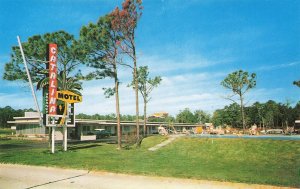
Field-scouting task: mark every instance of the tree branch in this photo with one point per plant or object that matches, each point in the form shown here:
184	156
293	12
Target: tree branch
229	98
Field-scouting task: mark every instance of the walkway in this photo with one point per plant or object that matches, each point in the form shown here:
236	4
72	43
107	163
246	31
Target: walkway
33	177
164	143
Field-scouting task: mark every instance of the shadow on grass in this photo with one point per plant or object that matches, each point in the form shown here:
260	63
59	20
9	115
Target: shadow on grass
73	148
4	138
79	147
5	147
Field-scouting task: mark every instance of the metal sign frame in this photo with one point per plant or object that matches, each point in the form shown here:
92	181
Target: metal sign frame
53	120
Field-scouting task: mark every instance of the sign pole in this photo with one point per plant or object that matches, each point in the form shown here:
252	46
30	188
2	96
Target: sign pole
65	137
52	66
66	128
29	79
53	140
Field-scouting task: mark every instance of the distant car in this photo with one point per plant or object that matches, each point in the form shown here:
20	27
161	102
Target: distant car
275	131
102	133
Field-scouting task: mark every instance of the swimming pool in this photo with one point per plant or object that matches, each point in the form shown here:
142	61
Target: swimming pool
272	137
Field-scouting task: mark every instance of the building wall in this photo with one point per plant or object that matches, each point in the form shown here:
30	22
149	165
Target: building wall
87	127
30	130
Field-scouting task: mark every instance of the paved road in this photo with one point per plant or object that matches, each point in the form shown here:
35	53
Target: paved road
27	177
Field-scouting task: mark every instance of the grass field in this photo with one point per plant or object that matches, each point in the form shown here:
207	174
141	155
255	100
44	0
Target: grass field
237	160
5	132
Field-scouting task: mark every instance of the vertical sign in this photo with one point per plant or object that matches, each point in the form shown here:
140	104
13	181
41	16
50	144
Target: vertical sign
52	79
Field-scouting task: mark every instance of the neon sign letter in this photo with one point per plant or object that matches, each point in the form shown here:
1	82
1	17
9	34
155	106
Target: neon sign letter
52	78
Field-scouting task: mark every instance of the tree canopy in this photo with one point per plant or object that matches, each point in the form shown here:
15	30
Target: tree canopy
8	113
125	22
35	50
102	54
266	115
145	87
297	83
186	116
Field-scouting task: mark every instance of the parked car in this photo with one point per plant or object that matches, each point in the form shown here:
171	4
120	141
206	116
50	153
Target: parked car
102	133
275	131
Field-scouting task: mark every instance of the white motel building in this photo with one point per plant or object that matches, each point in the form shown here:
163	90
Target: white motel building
29	126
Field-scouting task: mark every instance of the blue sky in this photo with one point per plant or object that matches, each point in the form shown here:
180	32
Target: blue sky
192	44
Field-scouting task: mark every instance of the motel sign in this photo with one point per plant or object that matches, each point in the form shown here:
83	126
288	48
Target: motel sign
52	79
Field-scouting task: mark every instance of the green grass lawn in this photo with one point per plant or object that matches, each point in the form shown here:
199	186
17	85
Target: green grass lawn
5	132
272	162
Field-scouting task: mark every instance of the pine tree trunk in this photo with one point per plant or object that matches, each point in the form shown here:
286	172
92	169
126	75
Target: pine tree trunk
145	117
136	94
243	114
119	131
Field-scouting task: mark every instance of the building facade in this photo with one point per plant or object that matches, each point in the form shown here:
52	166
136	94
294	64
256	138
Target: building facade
29	126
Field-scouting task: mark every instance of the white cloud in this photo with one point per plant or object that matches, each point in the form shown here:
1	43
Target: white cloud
175	93
159	65
172	95
278	66
172	85
194	89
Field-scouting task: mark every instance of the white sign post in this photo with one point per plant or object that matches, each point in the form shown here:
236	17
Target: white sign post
65	138
53	140
53	121
30	82
65	129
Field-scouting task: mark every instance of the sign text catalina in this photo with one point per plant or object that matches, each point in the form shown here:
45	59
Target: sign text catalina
52	78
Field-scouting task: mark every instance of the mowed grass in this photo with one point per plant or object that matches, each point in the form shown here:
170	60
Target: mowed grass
6	132
257	161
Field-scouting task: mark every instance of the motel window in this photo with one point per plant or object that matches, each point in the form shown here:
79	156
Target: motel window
126	128
85	129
